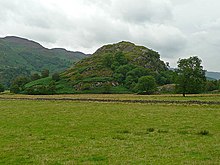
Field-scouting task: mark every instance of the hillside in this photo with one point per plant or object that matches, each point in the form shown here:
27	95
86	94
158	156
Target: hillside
21	56
114	68
213	75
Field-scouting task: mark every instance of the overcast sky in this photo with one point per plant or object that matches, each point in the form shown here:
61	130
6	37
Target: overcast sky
174	28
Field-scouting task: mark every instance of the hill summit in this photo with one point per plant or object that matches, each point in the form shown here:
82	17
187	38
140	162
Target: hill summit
114	67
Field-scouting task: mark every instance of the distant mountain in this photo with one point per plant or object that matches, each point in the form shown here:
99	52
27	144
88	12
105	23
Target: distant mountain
22	56
209	75
213	75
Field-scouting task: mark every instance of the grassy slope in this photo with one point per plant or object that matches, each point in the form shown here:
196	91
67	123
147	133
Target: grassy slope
65	87
49	132
21	53
16	52
62	86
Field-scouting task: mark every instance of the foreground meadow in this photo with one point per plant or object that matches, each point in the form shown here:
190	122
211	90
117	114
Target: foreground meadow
69	132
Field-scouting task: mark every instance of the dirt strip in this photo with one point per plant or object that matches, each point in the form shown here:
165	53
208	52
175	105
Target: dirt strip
119	101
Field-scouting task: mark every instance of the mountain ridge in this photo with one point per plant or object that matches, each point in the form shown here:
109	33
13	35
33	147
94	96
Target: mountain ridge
21	56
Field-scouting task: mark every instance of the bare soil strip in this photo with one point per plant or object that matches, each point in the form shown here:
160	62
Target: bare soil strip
116	101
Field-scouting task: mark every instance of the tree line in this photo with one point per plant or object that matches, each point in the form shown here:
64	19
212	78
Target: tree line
18	84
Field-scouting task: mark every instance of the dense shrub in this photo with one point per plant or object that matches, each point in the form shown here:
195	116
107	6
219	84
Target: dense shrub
146	85
45	73
18	84
2	89
56	77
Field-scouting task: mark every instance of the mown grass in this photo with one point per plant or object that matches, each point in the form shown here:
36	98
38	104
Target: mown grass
65	132
169	97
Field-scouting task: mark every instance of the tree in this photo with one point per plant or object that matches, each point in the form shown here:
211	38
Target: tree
191	76
2	89
56	77
14	88
35	76
18	84
45	73
211	85
146	85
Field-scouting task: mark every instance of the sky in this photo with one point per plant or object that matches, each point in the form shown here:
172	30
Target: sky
174	28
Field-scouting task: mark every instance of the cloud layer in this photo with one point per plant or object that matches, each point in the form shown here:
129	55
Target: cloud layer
175	28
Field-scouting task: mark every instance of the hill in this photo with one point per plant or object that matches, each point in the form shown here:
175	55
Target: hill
213	75
113	68
19	56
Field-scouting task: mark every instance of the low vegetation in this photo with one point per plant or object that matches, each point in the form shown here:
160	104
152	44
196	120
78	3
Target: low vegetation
65	132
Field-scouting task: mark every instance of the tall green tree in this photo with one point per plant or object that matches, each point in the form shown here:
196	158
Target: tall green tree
2	88
45	73
146	85
35	76
18	84
56	77
191	76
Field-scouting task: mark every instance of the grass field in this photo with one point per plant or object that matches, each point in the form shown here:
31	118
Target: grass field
71	132
169	97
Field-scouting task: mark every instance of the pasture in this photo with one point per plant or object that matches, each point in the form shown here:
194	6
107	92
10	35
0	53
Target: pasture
75	132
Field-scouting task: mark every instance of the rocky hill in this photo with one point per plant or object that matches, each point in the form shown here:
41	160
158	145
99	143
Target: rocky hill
114	68
19	56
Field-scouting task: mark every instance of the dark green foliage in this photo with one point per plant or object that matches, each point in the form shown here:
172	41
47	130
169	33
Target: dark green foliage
56	77
204	132
146	85
191	76
15	89
133	76
212	85
107	60
113	61
107	88
7	75
130	82
121	72
45	73
150	130
35	76
166	77
18	84
20	56
2	88
114	69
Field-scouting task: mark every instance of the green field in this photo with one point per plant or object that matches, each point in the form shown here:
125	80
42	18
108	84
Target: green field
73	132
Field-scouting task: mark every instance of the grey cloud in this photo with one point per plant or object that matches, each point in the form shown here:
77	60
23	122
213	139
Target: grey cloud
175	28
142	11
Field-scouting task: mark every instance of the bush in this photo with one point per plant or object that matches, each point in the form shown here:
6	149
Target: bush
35	76
18	84
150	130
45	73
15	89
2	89
146	85
107	88
56	77
204	132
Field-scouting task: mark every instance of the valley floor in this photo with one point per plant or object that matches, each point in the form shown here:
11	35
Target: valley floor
76	132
